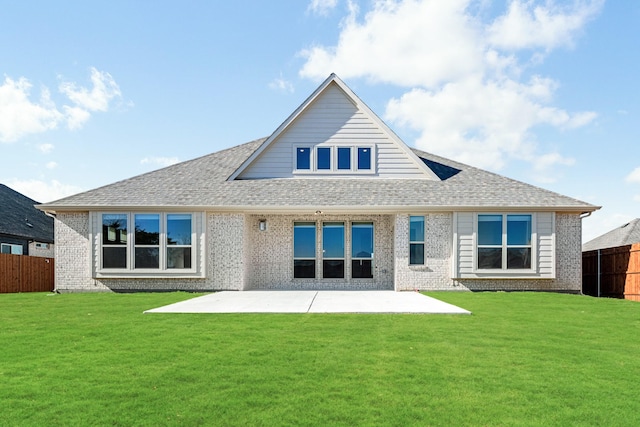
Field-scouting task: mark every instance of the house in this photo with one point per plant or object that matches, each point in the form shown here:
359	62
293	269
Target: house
24	230
611	263
333	199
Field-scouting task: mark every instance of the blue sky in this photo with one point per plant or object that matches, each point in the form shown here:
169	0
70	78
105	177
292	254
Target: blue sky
541	91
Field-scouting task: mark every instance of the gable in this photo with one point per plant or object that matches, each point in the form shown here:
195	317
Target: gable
333	120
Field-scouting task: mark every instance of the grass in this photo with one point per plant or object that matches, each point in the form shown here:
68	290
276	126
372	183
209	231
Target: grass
520	359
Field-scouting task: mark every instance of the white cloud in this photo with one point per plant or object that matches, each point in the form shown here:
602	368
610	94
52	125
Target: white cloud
45	148
634	176
159	161
530	25
19	116
51	165
466	95
42	191
322	7
98	97
281	84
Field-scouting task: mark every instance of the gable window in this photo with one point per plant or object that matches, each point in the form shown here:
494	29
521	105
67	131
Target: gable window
8	248
334	159
362	250
364	158
303	158
158	242
333	250
416	240
344	158
304	250
504	242
323	155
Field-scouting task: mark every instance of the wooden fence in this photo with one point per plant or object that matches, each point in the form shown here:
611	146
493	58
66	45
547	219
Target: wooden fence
619	272
21	273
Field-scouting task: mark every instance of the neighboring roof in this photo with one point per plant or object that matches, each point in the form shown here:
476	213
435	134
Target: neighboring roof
19	217
627	234
203	183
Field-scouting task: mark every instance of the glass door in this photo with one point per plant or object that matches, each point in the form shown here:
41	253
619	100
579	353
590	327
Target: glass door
362	250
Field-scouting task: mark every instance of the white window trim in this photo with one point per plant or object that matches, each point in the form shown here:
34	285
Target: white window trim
163	271
334	160
514	272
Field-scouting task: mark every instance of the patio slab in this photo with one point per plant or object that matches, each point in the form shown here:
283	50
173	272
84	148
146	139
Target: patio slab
312	302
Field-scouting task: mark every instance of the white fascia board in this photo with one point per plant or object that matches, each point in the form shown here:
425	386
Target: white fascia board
282	127
395	138
406	209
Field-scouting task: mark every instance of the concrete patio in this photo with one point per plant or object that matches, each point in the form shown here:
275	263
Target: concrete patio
312	302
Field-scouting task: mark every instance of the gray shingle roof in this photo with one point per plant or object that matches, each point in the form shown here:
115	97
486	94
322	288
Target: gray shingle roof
627	234
19	217
202	183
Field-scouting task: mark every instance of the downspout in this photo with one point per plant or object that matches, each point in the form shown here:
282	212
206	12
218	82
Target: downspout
599	273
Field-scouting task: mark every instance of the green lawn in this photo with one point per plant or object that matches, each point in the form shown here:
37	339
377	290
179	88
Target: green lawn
520	359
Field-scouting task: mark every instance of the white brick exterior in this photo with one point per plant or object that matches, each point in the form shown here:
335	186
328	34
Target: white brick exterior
238	256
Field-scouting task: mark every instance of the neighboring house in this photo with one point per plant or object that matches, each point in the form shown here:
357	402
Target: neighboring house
611	263
333	199
24	230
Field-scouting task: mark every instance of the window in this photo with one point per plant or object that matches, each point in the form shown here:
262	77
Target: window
304	250
362	250
364	158
344	158
504	242
42	245
147	241
114	241
323	154
178	241
334	159
158	242
333	250
303	158
416	240
8	248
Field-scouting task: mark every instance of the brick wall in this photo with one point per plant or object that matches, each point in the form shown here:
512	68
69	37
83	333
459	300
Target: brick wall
270	253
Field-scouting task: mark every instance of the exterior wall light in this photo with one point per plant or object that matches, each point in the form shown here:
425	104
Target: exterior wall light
262	225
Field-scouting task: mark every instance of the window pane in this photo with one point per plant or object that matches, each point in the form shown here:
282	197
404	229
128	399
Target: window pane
147	258
147	229
416	228
344	158
518	258
303	158
324	158
16	249
178	257
362	269
114	257
333	269
518	229
304	269
178	229
490	229
362	240
489	258
5	249
333	240
304	240
416	253
114	229
364	158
